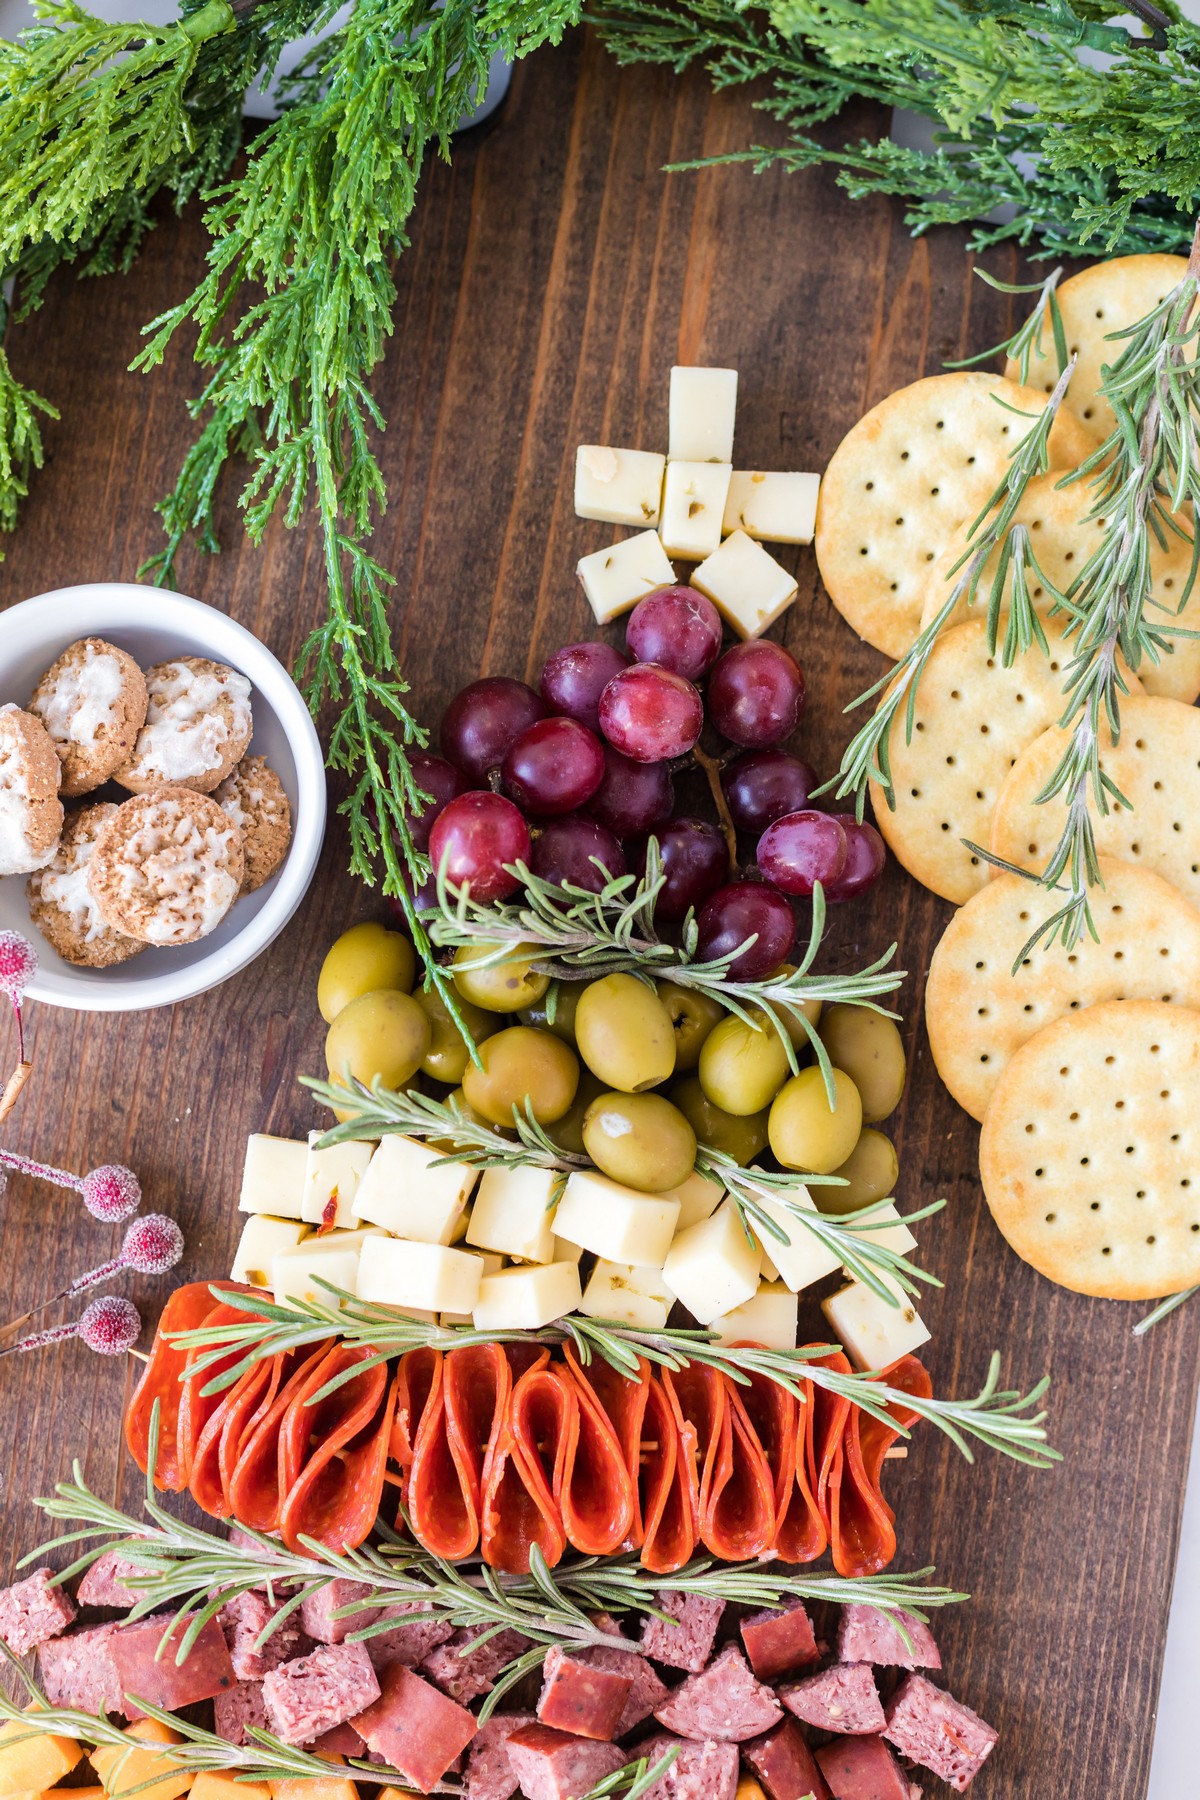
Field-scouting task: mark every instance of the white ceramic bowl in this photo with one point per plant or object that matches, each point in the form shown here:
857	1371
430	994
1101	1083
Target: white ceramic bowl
154	625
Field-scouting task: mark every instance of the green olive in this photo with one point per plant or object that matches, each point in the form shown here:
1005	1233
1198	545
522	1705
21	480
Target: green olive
693	1016
568	1131
810	1008
555	1010
383	1035
502	986
741	1138
522	1067
805	1132
741	1068
870	1049
363	960
624	1033
448	1056
640	1140
869	1172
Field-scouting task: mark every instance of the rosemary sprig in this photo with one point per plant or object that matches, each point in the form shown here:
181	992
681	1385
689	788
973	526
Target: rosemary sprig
1163	1310
1026	341
635	1779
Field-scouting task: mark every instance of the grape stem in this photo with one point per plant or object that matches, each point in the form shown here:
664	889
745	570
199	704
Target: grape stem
712	766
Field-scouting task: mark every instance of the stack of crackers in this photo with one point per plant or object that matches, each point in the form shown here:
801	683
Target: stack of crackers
1083	1065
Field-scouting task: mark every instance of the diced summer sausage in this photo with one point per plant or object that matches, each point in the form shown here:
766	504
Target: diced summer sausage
726	1702
863	1768
414	1635
841	1698
581	1697
308	1697
243	1619
104	1583
238	1711
936	1730
489	1771
780	1640
686	1644
646	1690
317	1611
701	1771
464	1672
553	1765
205	1671
867	1635
784	1764
33	1611
415	1728
78	1671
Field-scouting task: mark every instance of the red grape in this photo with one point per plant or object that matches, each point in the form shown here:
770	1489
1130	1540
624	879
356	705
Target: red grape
742	910
756	694
442	782
651	714
695	862
473	839
678	628
563	851
553	767
761	785
801	849
865	860
574	678
633	797
481	722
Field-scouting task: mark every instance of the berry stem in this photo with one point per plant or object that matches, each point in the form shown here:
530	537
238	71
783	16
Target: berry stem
22	1165
712	771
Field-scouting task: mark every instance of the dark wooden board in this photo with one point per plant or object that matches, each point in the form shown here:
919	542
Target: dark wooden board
555	273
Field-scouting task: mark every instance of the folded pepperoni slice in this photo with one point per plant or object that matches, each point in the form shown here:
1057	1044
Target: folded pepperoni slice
624	1400
445	1491
801	1535
861	1526
597	1496
669	1487
197	1408
161	1381
772	1412
738	1521
249	1401
255	1492
204	1475
333	1451
418	1386
827	1452
522	1468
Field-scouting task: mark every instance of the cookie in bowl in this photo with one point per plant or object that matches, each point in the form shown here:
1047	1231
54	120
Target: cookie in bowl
253	797
31	813
167	867
61	903
92	701
198	727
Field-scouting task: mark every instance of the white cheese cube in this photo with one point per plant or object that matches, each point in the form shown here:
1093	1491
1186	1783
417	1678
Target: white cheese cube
633	1296
767	1269
748	588
804	1258
702	407
770	1317
401	1272
526	1299
514	1212
565	1251
331	1179
873	1334
895	1236
614	580
698	1197
262	1239
713	1266
404	1193
492	1265
616	1222
273	1176
693	507
333	1255
621	487
782	509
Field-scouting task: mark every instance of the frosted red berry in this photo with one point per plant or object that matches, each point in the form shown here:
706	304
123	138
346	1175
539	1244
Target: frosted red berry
18	964
152	1245
110	1326
111	1193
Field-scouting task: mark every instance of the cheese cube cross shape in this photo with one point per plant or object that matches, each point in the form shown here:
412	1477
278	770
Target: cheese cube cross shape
273	1176
699	1197
331	1179
402	1273
804	1258
636	1297
747	586
777	509
403	1191
769	1317
614	580
328	1256
618	487
693	508
526	1299
701	412
262	1239
873	1333
616	1222
514	1212
713	1266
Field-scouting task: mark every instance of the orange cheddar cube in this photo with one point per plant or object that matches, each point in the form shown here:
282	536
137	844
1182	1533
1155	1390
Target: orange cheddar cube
31	1760
314	1788
122	1770
220	1786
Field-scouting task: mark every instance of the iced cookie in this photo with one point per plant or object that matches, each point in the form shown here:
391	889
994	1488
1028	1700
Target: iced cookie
167	867
253	797
197	727
31	813
61	905
92	701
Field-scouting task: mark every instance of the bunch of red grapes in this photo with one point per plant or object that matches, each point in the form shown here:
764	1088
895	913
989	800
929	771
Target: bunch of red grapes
573	778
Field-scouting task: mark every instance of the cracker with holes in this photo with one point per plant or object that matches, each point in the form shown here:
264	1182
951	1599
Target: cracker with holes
900	481
979	1011
1062	538
1108	297
973	719
1090	1150
1155	765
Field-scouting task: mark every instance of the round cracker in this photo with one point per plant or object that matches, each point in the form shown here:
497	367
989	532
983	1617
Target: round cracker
978	1012
1155	765
1108	297
973	718
1090	1150
1063	537
924	458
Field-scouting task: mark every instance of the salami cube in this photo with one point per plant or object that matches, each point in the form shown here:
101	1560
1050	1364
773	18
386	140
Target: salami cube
238	1711
580	1697
341	1741
205	1671
865	1634
317	1611
104	1584
78	1671
308	1697
33	1611
553	1765
415	1727
780	1640
700	1771
863	1768
646	1690
841	1698
934	1729
489	1771
410	1632
726	1702
685	1640
464	1672
784	1764
243	1619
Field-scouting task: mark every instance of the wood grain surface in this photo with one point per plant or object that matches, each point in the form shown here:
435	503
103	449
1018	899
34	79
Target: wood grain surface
554	276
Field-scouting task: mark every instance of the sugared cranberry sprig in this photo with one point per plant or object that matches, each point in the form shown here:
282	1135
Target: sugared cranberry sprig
151	1245
110	1327
111	1193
